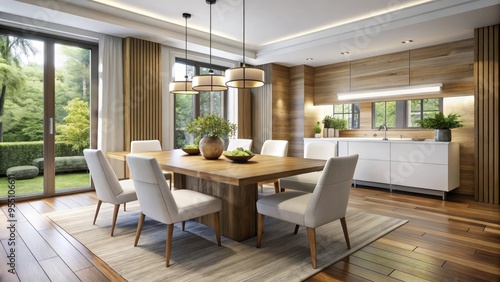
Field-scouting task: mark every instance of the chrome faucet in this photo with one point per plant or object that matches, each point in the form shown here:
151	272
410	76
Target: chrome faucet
385	131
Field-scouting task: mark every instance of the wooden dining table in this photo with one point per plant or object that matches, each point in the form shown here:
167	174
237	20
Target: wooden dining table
234	183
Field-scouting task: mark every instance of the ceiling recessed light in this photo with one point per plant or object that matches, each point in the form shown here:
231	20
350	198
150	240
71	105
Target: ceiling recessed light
309	59
407	41
344	53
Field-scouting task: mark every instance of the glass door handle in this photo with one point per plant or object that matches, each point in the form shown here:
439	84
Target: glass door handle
51	125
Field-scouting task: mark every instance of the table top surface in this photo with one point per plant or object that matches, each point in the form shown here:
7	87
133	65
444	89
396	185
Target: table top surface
258	169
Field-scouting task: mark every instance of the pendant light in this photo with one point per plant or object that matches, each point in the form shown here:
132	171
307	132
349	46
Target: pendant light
183	87
209	82
244	77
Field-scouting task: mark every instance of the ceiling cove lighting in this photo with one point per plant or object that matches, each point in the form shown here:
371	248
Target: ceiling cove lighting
244	77
183	87
390	92
210	82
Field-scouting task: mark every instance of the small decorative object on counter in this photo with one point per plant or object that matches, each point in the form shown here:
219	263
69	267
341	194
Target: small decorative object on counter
317	130
327	124
442	125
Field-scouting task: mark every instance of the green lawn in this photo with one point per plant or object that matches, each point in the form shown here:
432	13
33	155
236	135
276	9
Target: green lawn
35	185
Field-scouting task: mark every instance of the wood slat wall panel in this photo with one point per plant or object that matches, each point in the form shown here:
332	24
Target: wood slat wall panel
281	102
142	90
311	113
303	115
487	114
244	114
262	110
297	111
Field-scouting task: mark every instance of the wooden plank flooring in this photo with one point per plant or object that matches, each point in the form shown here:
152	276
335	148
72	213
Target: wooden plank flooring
453	240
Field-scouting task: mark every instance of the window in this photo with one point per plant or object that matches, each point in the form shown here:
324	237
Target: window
350	112
188	107
419	109
404	114
384	113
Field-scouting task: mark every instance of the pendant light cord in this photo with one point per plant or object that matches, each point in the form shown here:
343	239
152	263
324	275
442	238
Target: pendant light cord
211	71
186	16
244	33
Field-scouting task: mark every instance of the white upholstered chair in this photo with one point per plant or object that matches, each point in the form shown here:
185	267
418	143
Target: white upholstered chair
139	146
235	143
278	148
166	206
107	186
306	182
327	203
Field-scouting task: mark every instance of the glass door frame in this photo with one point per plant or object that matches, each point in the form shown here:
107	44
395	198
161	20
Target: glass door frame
49	108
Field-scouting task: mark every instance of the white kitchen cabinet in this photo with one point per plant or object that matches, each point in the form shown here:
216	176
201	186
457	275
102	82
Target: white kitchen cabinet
342	148
374	161
433	166
417	166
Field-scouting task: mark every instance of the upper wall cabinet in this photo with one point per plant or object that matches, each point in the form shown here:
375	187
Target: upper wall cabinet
451	64
387	70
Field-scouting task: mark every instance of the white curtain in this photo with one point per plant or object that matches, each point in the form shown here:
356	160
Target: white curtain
110	114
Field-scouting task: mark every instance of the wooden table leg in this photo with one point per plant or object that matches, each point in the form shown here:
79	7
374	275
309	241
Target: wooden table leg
238	217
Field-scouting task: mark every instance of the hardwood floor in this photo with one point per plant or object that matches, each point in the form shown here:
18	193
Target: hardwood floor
453	240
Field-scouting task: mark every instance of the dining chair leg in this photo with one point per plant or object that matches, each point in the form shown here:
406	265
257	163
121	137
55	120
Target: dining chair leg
168	247
115	216
311	235
260	228
296	229
97	211
170	181
346	233
216	224
139	229
276	186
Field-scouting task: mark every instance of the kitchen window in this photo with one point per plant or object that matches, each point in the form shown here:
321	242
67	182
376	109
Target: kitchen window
404	114
188	107
350	112
419	109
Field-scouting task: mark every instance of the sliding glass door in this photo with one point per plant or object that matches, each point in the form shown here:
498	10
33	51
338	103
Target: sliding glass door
46	113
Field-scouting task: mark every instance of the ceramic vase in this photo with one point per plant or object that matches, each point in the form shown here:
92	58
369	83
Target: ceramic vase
211	148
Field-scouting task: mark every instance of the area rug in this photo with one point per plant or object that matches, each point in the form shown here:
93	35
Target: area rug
283	256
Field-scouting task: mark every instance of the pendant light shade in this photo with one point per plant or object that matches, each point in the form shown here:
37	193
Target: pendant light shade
183	87
209	82
244	77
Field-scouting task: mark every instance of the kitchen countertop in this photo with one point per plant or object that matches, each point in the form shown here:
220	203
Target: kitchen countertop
376	139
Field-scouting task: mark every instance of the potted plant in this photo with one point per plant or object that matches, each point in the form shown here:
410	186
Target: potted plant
339	124
317	130
211	128
328	125
442	125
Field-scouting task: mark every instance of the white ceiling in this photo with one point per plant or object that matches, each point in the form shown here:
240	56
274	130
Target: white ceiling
279	31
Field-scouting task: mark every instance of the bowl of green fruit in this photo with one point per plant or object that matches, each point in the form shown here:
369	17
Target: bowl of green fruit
191	149
239	155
